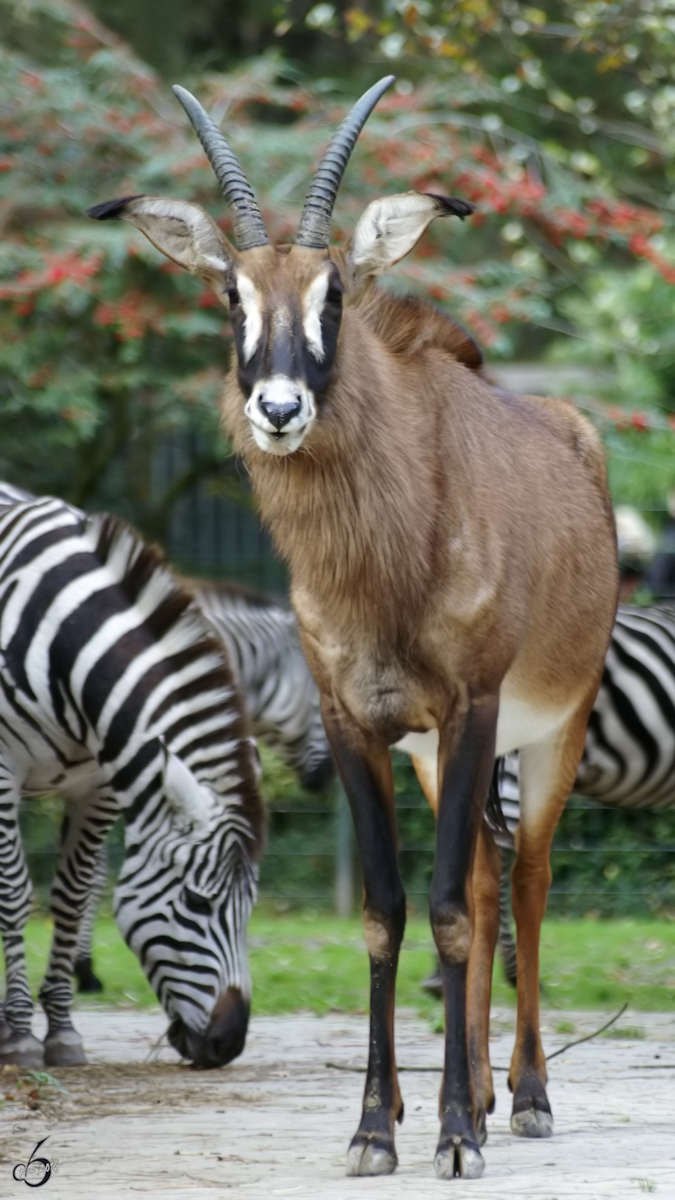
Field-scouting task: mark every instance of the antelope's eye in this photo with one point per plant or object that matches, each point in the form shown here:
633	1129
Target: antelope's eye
233	296
196	903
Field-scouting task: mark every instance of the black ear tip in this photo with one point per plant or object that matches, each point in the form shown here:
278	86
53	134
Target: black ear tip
453	206
110	209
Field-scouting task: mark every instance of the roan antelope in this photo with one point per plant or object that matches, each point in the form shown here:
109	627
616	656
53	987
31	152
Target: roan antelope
453	567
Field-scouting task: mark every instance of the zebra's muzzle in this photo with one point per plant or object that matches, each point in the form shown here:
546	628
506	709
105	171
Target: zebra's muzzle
224	1037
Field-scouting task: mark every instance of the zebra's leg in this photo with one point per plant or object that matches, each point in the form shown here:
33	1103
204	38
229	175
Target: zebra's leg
88	823
17	1044
485	912
547	773
506	941
83	970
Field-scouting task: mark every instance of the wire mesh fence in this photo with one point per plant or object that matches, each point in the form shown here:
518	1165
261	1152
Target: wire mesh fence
605	861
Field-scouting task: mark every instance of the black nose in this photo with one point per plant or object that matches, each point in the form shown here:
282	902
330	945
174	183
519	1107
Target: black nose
222	1040
279	414
225	1036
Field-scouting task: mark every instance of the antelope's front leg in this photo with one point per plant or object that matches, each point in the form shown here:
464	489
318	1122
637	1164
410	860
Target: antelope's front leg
364	765
466	758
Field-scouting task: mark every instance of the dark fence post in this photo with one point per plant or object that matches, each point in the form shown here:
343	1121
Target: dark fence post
344	854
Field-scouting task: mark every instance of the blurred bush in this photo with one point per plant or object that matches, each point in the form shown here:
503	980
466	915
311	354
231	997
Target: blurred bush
105	348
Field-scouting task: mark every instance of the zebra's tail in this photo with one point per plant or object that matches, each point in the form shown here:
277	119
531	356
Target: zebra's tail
493	809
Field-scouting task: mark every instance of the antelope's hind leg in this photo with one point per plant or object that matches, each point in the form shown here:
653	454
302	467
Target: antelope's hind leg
365	769
466	760
486	921
547	773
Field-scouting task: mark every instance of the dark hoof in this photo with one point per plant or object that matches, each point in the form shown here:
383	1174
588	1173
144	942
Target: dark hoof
64	1049
433	986
371	1156
458	1158
531	1116
532	1123
87	981
22	1050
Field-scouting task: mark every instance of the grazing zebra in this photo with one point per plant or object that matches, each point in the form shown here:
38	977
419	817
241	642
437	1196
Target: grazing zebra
114	692
281	701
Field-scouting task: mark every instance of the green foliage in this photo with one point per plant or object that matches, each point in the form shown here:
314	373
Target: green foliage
559	132
613	861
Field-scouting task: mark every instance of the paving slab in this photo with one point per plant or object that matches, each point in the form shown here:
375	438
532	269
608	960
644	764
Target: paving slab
277	1122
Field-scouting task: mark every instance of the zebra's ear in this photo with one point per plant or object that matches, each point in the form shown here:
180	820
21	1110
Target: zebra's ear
189	799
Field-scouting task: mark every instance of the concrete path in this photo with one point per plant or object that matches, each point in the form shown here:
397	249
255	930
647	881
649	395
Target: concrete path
278	1121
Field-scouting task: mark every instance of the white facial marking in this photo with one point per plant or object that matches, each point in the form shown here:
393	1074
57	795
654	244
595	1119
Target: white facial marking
313	303
252	306
280	390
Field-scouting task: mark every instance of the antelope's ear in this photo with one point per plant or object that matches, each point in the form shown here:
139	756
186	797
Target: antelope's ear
389	228
182	231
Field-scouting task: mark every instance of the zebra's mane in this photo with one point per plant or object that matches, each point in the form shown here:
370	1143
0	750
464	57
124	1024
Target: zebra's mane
236	591
144	567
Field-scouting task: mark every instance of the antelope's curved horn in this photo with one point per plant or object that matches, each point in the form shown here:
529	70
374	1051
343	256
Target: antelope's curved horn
247	222
314	227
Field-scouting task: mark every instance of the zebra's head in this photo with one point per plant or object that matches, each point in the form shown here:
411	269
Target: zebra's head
183	901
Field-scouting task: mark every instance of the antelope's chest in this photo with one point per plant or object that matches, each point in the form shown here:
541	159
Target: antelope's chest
385	693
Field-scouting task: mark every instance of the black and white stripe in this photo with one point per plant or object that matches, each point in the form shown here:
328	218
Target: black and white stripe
114	693
629	756
280	697
278	689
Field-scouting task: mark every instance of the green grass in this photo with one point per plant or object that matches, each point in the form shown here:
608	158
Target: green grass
319	963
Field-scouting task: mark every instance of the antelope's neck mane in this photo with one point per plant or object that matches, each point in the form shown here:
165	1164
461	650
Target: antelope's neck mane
408	324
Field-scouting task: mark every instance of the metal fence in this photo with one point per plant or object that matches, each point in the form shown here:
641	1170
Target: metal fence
605	861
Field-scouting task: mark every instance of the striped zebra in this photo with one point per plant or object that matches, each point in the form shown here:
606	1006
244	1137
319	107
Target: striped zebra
278	688
629	756
114	693
280	697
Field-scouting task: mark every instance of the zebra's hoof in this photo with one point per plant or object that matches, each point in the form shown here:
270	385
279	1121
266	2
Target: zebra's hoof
87	981
21	1050
64	1049
458	1159
433	986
